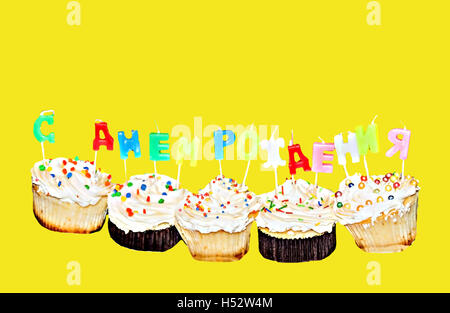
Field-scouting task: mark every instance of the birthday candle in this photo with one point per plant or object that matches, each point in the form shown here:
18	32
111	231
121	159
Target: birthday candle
367	139
107	141
44	117
400	138
252	136
273	154
129	144
272	146
220	144
343	148
319	157
182	148
303	161
49	119
156	147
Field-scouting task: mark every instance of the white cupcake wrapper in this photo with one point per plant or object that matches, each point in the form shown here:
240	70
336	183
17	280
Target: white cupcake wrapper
57	215
386	235
219	246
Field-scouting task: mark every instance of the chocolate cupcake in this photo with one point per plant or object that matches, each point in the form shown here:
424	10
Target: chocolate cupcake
141	213
296	223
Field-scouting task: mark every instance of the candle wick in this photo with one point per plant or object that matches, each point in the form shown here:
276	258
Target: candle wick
373	121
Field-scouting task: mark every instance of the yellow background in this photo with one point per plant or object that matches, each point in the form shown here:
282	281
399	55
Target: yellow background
315	67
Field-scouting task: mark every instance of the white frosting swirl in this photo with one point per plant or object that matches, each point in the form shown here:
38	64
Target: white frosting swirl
71	181
145	202
360	198
222	205
298	206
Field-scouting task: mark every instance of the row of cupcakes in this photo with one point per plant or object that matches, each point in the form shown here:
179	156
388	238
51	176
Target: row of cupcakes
296	222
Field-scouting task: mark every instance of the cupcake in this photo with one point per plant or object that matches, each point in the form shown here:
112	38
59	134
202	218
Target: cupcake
215	224
141	213
297	223
380	211
69	195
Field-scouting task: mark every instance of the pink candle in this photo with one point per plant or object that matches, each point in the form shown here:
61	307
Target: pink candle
319	157
400	138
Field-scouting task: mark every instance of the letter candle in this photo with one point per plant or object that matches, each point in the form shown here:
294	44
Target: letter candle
319	156
343	148
129	144
49	119
367	140
183	147
273	154
220	144
107	141
251	135
154	162
303	161
400	138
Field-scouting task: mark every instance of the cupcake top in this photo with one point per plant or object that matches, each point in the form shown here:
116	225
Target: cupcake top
71	181
363	198
145	202
222	205
298	206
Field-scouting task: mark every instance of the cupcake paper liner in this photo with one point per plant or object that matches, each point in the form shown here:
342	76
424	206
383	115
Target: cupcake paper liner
56	215
296	250
219	246
393	233
149	240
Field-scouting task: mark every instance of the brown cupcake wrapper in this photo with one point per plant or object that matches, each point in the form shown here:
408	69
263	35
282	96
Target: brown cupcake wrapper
149	240
219	246
297	250
57	215
387	235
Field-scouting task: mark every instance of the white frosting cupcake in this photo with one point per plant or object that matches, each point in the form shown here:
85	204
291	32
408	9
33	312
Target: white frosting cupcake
365	199
145	202
222	205
297	206
216	222
69	195
71	181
